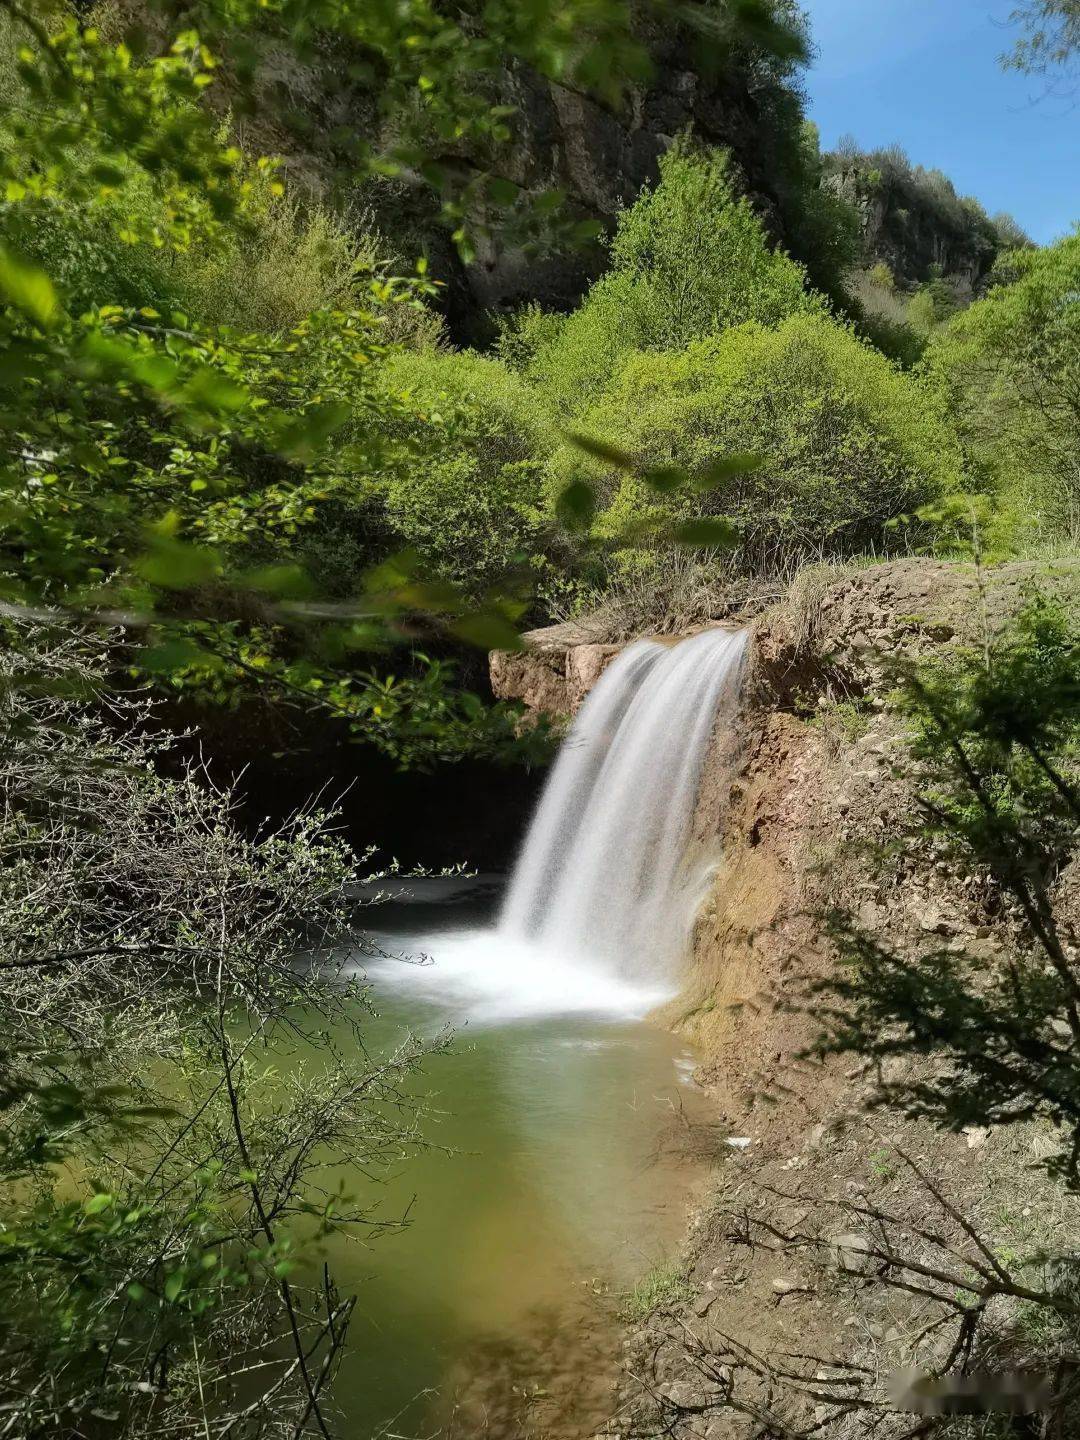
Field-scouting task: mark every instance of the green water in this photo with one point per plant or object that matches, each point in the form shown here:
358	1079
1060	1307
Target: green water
576	1143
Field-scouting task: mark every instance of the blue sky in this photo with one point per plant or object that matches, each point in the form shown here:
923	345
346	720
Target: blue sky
925	74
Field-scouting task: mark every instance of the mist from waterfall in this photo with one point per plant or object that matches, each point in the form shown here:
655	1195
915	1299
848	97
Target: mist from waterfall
598	912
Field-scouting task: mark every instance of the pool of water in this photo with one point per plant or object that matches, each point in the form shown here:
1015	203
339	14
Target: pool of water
568	1139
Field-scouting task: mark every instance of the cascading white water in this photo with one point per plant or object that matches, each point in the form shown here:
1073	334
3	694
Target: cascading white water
602	897
604	873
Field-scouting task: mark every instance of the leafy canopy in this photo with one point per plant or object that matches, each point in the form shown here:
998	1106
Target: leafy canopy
689	259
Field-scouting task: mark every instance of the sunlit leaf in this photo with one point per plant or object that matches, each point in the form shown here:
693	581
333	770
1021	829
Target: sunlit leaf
665	478
175	565
28	289
174	1285
488	632
744	463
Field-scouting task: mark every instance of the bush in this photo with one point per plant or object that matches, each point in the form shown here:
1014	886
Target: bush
467	489
690	259
888	318
163	1136
1011	368
846	441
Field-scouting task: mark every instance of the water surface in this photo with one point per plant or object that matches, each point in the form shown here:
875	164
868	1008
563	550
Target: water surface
571	1139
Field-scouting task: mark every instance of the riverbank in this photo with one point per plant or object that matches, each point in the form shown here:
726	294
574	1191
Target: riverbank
781	1325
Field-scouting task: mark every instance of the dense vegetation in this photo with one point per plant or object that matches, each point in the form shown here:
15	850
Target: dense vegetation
238	451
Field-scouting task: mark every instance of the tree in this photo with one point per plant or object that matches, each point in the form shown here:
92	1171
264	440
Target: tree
804	437
159	1150
689	259
1051	36
1011	367
993	754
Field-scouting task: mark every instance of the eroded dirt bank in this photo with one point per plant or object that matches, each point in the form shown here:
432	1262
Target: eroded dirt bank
782	1329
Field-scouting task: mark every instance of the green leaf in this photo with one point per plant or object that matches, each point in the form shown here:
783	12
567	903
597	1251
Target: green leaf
576	506
174	565
170	655
600	450
705	533
97	1203
28	289
586	230
488	632
107	174
305	437
209	390
744	463
288	581
665	478
174	1285
502	192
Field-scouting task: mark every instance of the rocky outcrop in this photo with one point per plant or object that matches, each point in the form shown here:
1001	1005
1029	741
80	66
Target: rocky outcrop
838	627
597	153
555	673
817	776
916	224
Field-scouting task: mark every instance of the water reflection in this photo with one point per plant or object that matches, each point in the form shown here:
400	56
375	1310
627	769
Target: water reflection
577	1141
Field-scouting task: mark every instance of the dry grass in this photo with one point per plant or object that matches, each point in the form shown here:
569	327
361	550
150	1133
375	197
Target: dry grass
680	592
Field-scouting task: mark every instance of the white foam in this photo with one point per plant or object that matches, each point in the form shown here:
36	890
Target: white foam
487	977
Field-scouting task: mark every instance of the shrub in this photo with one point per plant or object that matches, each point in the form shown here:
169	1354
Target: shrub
466	491
885	315
524	332
846	442
690	259
1011	368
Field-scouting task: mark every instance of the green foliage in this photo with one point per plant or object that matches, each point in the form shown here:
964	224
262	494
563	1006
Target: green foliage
822	227
993	751
164	467
837	441
938	302
894	322
1010	366
523	332
160	1154
889	175
431	83
664	1287
882	276
465	488
1050	39
689	259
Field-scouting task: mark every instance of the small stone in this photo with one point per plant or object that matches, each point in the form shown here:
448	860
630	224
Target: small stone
850	1253
977	1135
1044	1146
783	1286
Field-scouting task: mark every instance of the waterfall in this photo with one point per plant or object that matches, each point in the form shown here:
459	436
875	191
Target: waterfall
600	903
605	873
